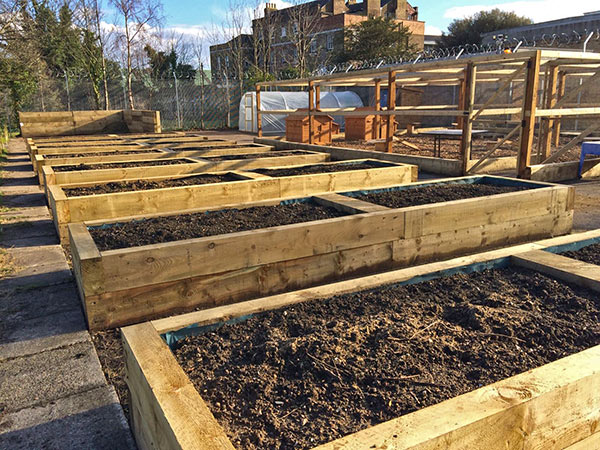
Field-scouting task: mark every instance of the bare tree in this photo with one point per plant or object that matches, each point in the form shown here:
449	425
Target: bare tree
197	44
264	28
303	25
235	28
135	20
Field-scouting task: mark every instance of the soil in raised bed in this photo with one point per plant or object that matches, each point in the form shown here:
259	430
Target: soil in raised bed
144	185
255	155
157	162
317	168
81	155
304	375
435	193
589	254
188	226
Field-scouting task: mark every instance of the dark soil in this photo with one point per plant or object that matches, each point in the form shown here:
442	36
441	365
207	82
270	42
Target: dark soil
155	162
317	168
255	155
81	155
308	374
189	226
589	254
144	185
112	358
433	194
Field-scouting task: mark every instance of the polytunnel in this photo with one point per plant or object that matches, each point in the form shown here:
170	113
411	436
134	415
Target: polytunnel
275	124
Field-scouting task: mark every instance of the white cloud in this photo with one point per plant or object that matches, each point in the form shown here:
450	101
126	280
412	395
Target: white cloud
432	30
537	10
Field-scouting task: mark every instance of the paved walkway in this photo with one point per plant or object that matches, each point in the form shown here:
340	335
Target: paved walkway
53	394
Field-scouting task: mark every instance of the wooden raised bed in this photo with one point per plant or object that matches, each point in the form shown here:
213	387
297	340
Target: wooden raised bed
556	405
255	188
308	157
133	284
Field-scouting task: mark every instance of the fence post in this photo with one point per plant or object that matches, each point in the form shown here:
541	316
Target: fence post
177	102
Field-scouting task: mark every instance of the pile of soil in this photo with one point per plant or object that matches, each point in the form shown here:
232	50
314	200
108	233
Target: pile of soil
435	194
255	155
317	168
81	155
301	376
144	185
188	226
156	162
589	254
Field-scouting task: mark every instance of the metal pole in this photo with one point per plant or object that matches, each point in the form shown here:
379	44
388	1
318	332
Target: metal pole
177	101
68	93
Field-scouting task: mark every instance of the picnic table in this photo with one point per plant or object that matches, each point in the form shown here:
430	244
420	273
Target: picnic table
448	133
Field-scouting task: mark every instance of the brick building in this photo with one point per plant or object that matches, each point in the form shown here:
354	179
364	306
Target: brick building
309	33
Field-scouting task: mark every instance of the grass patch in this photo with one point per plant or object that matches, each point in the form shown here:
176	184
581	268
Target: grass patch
7	264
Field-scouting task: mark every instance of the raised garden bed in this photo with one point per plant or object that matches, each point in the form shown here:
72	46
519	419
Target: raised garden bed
121	165
257	187
474	352
79	158
128	285
145	185
267	159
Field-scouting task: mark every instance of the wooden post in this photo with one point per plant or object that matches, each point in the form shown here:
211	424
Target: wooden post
467	122
528	118
317	97
377	121
562	77
461	102
389	138
258	114
548	124
311	106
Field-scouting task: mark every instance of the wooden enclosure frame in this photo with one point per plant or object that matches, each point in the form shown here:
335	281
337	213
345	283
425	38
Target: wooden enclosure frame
256	187
556	405
130	285
526	65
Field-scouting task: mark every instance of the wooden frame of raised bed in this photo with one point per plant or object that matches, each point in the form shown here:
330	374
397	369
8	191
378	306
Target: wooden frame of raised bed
556	405
255	188
129	285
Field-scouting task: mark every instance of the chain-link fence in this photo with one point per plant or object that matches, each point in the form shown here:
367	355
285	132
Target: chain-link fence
183	103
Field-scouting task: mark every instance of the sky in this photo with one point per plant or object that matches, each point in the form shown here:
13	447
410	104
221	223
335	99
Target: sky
189	16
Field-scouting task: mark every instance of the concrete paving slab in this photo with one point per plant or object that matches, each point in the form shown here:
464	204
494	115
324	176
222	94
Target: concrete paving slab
37	266
48	376
27	337
17	200
91	420
28	233
25	304
23	213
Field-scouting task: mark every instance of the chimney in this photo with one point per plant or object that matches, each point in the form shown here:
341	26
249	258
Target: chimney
401	10
269	7
373	8
339	6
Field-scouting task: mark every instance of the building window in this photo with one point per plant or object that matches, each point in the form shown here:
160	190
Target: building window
330	42
283	31
295	28
313	46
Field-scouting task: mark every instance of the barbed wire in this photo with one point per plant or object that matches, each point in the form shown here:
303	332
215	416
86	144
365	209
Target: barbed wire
502	43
